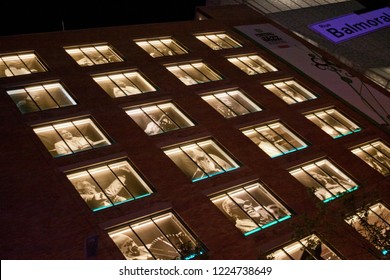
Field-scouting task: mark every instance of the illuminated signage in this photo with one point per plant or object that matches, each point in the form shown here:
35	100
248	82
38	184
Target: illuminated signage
352	25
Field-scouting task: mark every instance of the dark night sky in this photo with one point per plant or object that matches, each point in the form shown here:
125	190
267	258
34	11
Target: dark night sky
39	17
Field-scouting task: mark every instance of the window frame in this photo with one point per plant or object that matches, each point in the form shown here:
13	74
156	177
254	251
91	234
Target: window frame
215	46
320	181
249	69
118	168
271	149
190	157
293	86
45	87
343	123
231	93
21	61
84	48
54	127
253	225
165	115
205	70
132	225
159	52
373	161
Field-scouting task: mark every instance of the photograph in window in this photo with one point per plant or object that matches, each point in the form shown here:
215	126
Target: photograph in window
71	137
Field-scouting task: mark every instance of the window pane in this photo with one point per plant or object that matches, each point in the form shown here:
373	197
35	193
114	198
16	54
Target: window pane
373	223
109	184
43	97
290	92
201	160
163	47
252	65
159	238
20	64
195	73
251	208
159	118
71	137
218	41
376	155
325	180
119	85
275	139
93	55
333	123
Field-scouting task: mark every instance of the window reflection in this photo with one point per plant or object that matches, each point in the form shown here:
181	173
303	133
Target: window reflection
308	248
41	97
108	184
194	73
124	84
376	155
20	64
373	223
93	55
231	103
162	237
324	179
219	41
251	208
274	139
159	118
290	92
252	64
161	47
201	160
333	123
71	137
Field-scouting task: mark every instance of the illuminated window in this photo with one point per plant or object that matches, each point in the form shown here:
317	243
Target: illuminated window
41	97
308	248
93	55
275	139
290	91
109	184
124	84
376	155
373	223
252	64
324	179
159	118
201	160
333	123
161	47
194	73
20	64
231	103
219	41
251	208
71	137
163	237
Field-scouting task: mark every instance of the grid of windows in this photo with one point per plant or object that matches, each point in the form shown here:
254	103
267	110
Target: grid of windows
41	97
20	64
324	179
275	139
194	73
290	92
109	184
373	223
163	237
308	248
161	47
251	208
231	103
252	64
333	123
159	118
124	84
71	137
376	155
201	160
218	41
93	55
